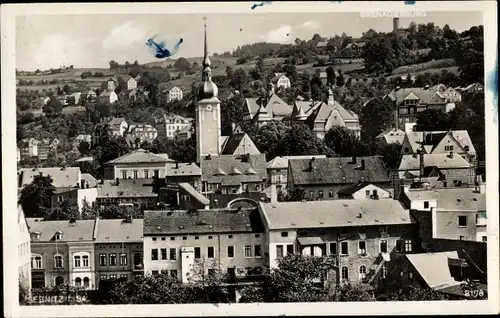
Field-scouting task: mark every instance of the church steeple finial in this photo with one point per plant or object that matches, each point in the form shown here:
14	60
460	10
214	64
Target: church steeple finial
206	60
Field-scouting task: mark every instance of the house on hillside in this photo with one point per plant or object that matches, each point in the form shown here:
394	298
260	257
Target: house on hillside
76	98
472	88
88	96
443	142
410	101
142	132
353	49
262	110
132	82
172	93
169	125
322	47
281	80
108	97
111	84
322	178
452	95
28	148
46	146
81	138
63	99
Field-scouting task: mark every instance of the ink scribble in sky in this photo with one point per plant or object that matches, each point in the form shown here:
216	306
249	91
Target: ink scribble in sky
260	4
160	50
410	2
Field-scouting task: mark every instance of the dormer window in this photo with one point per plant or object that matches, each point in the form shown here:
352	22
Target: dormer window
58	235
35	236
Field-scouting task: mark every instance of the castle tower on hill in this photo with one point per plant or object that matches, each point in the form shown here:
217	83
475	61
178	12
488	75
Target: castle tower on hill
208	117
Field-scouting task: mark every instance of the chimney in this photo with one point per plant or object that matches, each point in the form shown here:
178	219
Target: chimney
422	165
331	100
87	185
176	165
78	185
353	160
274	195
82	184
362	164
311	164
117	181
233	127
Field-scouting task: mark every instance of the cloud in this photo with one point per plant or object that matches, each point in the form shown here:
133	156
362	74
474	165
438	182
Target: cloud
283	34
126	35
310	25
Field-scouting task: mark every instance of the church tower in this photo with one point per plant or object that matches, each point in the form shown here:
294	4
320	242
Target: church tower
208	122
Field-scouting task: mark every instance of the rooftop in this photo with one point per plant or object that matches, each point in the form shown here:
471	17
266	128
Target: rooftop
451	198
119	231
434	268
139	156
80	230
440	160
334	213
182	169
127	188
424	95
68	177
282	162
202	221
212	168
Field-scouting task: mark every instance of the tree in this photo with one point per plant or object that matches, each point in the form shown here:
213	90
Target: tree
391	153
300	140
269	136
36	197
84	148
341	141
350	292
432	120
156	289
120	212
66	210
207	276
113	65
182	64
229	72
184	150
295	194
66	89
330	76
376	116
233	113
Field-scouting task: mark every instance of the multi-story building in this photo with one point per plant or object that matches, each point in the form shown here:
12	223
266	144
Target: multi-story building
410	101
111	84
108	97
139	164
169	125
184	173
115	127
239	143
28	148
132	82
23	249
446	170
277	170
142	132
62	252
264	109
133	192
173	93
439	142
280	80
452	95
118	249
364	238
191	244
322	178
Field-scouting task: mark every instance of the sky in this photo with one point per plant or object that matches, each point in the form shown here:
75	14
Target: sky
91	41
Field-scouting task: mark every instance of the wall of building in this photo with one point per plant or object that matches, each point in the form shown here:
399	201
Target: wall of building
330	190
208	129
89	195
140	168
446	225
89	272
48	251
105	272
24	252
362	194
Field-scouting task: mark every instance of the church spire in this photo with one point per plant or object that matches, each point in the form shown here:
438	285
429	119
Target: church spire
206	60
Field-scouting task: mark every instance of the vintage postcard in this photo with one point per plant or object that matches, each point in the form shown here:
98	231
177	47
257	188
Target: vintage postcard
226	158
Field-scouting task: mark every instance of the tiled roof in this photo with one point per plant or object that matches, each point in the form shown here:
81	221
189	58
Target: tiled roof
83	159
222	200
324	111
452	198
392	135
440	160
202	221
226	163
338	170
138	156
238	144
334	213
80	230
195	194
252	106
426	96
126	189
282	162
62	177
434	268
182	169
119	231
277	106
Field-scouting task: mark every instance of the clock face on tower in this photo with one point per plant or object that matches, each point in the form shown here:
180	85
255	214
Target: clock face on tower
208	108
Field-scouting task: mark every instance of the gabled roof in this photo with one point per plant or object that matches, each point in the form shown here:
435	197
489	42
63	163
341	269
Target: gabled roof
80	230
334	213
239	143
442	161
277	106
434	268
451	198
226	163
195	194
119	231
127	188
88	178
426	96
323	112
282	162
202	221
139	156
182	169
353	188
338	170
68	177
392	135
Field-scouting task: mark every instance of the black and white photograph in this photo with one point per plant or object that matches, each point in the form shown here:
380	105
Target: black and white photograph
221	157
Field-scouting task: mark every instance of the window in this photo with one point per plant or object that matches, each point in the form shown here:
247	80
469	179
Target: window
362	247
408	247
230	236
466	148
410	275
36	262
78	261
383	230
78	281
173	254
210	251
367	194
86	282
248	251
257	235
362	272
461	237
184	238
383	246
375	194
154	254
123	259
344	248
154	238
320	194
448	148
333	248
124	276
407	150
289	249
112	258
103	277
146	174
210	237
426	204
257	251
485	238
163	253
157	173
102	259
58	261
124	174
345	273
230	251
196	237
135	174
284	234
383	271
112	277
279	251
462	221
163	238
172	238
311	194
197	252
58	236
330	194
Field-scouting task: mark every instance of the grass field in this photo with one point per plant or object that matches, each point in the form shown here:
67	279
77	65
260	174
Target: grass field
434	64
